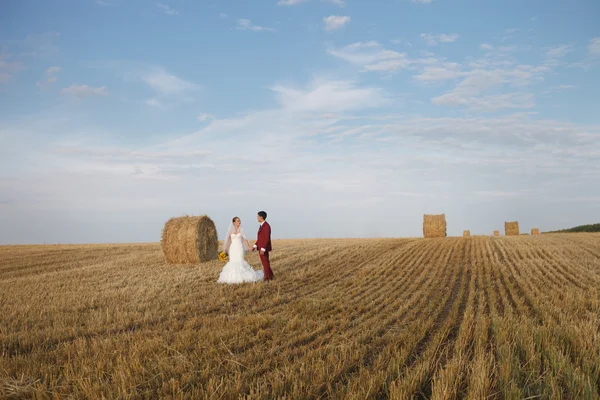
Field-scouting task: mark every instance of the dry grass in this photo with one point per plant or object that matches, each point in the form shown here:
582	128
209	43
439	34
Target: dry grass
510	317
188	240
511	228
434	226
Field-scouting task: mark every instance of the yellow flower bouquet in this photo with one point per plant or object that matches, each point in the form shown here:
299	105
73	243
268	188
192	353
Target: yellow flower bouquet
223	256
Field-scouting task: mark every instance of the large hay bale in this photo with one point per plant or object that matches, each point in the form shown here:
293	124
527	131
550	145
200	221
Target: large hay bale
511	228
434	225
189	240
467	233
496	233
535	231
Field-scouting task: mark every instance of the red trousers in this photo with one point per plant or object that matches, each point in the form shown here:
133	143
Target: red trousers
264	258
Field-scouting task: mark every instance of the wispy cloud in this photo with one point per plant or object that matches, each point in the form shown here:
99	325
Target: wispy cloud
406	43
594	47
166	83
328	97
422	1
372	56
490	103
84	91
204	117
8	68
434	40
153	102
559	51
167	9
49	78
335	22
290	2
247	25
340	3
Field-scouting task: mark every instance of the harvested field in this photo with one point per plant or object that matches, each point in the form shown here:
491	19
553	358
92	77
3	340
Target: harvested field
483	317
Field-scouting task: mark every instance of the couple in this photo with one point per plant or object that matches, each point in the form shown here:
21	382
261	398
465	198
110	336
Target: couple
237	270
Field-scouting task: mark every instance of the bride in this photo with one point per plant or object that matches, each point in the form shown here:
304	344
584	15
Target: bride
237	270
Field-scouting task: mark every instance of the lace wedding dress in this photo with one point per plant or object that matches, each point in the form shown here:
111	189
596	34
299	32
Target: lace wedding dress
237	270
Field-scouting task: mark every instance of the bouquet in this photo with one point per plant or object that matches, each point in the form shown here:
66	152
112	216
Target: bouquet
223	256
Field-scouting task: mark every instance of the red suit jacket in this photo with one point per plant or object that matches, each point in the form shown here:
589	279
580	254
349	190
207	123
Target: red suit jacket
263	240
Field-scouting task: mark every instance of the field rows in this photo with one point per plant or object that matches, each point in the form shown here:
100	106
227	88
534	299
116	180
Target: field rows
477	317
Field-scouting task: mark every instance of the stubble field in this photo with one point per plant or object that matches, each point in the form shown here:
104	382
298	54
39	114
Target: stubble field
477	317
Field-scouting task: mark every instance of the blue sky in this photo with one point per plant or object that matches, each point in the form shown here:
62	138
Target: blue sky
340	118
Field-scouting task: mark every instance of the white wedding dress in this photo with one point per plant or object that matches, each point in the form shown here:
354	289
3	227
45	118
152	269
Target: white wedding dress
237	270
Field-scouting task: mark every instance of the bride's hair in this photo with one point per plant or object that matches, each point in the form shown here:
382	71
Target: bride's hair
234	218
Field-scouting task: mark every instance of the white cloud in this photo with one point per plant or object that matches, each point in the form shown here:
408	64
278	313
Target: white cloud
152	102
165	83
166	9
560	51
327	97
434	40
50	77
290	2
490	103
401	41
594	47
440	72
204	117
486	46
372	56
7	69
334	22
246	25
83	91
340	3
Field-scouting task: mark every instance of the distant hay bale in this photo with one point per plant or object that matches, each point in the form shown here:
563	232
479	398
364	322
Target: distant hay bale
467	233
496	233
434	226
511	228
189	240
535	231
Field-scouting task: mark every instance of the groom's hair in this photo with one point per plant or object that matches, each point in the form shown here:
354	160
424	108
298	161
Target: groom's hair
263	214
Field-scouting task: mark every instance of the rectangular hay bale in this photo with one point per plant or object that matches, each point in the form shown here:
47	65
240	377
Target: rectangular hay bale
434	226
467	233
535	231
511	228
496	233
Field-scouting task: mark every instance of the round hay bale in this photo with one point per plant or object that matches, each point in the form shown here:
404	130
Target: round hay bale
496	233
189	240
535	231
511	228
434	226
466	233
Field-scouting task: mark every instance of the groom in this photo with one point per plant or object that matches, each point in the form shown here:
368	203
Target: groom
263	242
